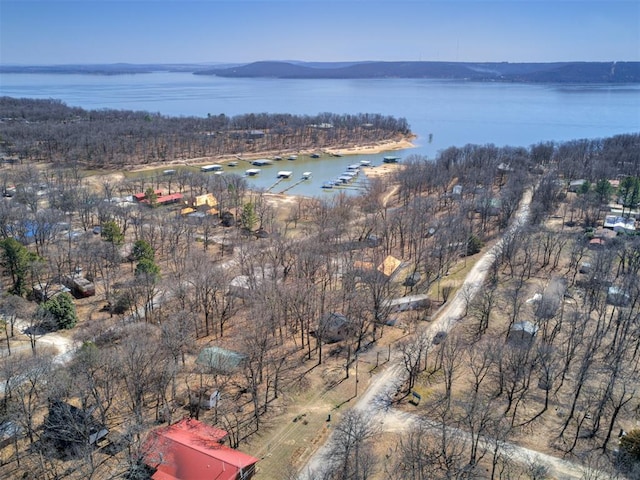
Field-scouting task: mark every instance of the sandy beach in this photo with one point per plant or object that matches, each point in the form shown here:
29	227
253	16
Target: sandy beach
374	149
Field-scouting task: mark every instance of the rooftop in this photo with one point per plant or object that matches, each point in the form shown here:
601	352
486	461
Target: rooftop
192	450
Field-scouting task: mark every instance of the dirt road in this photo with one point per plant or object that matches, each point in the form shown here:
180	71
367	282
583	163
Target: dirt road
376	401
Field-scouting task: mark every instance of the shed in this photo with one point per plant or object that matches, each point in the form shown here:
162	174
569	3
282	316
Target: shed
522	333
206	398
575	185
412	280
617	296
220	360
334	327
244	286
192	450
552	297
79	286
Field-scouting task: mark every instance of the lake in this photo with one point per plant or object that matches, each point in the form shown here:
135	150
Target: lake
449	112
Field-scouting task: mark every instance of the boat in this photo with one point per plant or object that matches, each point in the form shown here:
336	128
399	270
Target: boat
315	155
277	158
336	154
365	163
252	171
284	173
292	157
306	175
233	164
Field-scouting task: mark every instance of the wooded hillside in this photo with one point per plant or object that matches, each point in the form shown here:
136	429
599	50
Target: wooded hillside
262	312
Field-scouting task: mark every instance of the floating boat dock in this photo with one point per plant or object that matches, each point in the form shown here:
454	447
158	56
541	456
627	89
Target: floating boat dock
252	171
261	162
284	173
305	176
211	168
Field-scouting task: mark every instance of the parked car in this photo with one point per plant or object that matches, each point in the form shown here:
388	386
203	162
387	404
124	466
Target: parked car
439	337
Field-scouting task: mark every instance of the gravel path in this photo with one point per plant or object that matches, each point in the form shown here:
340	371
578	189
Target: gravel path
376	401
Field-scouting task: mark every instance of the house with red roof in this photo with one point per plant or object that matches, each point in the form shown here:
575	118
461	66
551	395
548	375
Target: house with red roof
139	197
192	450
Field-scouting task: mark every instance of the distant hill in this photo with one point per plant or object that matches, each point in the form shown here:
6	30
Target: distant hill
112	68
563	72
560	72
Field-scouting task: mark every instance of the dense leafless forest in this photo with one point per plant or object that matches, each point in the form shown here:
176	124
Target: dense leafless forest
50	131
261	276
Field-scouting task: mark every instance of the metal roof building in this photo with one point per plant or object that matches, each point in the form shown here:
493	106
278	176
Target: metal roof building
192	450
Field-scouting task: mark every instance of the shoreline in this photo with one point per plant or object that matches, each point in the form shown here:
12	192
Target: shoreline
371	149
388	146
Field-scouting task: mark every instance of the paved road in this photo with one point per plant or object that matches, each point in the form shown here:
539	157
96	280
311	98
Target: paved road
376	401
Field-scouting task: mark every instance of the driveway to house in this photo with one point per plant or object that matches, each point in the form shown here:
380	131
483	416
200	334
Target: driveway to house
377	400
61	344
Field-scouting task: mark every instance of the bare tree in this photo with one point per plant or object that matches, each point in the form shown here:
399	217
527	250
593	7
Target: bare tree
413	351
351	455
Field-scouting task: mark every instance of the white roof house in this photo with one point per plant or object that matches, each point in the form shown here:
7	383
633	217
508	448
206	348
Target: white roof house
620	224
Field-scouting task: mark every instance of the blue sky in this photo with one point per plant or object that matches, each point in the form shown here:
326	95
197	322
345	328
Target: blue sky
184	31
